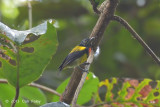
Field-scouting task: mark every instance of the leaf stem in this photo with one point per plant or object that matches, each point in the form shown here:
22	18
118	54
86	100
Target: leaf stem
14	48
17	84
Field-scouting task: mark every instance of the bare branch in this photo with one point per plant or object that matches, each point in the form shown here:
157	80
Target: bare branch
74	101
3	81
101	8
137	37
69	92
45	88
94	7
37	86
29	14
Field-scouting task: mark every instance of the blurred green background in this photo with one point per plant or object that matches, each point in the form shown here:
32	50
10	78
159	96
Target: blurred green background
120	54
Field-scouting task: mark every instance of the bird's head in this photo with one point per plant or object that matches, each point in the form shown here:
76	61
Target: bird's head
86	42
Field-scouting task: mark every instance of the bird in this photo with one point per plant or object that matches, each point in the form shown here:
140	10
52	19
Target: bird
78	55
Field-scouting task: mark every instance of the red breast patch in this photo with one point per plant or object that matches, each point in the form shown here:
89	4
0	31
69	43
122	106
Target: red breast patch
90	50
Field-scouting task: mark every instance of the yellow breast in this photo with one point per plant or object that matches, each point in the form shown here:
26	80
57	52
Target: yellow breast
83	59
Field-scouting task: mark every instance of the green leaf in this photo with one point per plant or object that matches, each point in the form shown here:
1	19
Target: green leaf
32	57
131	92
33	95
19	36
90	86
27	95
7	94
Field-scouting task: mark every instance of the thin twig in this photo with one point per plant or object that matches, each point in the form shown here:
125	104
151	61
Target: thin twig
30	13
45	88
3	81
89	60
17	84
74	101
94	5
42	87
137	37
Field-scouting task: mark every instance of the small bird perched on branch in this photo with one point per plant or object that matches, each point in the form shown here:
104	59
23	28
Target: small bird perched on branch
78	55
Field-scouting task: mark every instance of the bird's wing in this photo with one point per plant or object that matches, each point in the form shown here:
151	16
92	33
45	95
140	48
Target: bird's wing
78	48
71	57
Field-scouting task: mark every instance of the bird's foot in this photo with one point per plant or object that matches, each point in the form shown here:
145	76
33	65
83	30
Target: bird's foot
84	70
85	63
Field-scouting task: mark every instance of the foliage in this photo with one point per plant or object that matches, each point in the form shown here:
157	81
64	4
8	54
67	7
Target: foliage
129	92
24	59
27	95
118	92
29	58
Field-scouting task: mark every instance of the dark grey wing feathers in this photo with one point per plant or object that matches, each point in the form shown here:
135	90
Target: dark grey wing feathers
70	58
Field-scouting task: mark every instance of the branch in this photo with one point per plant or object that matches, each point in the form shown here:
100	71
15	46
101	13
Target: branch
107	12
3	81
101	8
37	86
29	14
68	94
74	101
137	37
45	88
94	7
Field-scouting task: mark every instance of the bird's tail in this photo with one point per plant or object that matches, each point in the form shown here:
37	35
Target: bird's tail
60	68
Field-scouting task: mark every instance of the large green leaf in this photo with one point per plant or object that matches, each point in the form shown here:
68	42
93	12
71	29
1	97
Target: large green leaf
90	86
31	57
130	92
28	95
19	36
33	95
7	94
